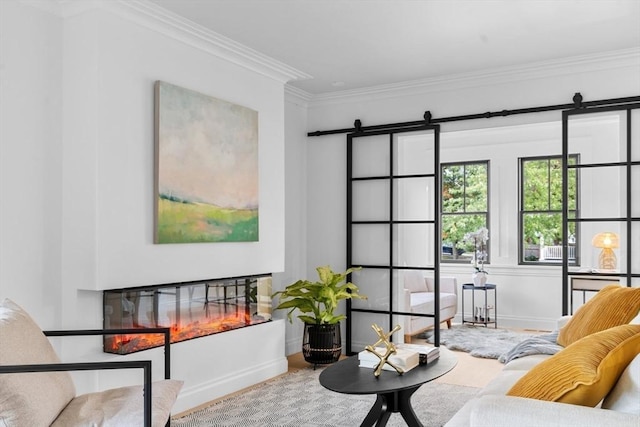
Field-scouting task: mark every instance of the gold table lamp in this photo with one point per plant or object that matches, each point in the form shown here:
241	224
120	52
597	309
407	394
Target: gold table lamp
608	241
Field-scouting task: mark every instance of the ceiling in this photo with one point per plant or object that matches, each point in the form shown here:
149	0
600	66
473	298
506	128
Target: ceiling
356	44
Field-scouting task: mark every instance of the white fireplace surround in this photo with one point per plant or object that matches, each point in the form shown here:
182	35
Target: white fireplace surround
240	358
211	366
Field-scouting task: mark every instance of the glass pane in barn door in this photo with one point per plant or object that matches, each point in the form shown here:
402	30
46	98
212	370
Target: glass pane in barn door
414	153
374	283
633	264
363	333
413	245
414	198
370	245
634	125
371	200
371	156
634	203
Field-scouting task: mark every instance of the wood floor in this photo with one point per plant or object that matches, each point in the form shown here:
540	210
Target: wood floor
470	371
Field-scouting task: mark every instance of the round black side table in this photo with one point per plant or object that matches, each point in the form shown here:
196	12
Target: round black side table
393	390
475	319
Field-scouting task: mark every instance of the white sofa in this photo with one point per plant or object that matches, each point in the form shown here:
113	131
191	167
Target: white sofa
492	407
419	297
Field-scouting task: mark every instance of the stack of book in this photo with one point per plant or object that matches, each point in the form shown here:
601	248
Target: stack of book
427	354
403	358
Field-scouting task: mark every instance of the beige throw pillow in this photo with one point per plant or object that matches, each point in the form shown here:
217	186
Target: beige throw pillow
29	399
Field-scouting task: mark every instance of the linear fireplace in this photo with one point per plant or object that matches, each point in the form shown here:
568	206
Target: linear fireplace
190	309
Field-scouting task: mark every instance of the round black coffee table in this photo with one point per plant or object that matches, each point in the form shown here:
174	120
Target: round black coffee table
394	391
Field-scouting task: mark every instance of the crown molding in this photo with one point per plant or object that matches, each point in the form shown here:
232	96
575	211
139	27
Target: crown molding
156	18
297	94
584	63
167	23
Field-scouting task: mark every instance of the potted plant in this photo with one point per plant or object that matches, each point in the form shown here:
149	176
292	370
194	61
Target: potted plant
479	239
317	302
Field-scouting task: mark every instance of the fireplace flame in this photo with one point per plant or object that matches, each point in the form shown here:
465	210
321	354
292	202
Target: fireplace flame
125	344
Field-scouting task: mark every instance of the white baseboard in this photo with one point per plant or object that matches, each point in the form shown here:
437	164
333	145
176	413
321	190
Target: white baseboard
215	366
293	346
516	322
205	392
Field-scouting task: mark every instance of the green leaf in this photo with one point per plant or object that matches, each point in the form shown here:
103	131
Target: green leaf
308	319
318	300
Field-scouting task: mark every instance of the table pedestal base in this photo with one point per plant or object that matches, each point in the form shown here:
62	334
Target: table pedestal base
388	403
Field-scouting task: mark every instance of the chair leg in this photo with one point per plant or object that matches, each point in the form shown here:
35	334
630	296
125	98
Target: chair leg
448	323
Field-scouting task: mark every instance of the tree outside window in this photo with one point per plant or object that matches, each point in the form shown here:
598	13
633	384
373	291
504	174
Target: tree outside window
541	209
464	207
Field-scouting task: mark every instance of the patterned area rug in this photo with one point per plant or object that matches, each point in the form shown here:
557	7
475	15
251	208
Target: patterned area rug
478	341
298	399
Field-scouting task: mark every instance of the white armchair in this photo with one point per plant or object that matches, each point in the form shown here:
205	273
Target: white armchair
419	297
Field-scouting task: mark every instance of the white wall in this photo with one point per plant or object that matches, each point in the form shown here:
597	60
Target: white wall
77	176
108	154
30	159
295	211
528	296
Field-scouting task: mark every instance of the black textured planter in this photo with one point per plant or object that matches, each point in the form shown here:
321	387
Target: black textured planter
321	344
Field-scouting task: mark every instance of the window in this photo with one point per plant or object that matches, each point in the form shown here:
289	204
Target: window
465	207
541	209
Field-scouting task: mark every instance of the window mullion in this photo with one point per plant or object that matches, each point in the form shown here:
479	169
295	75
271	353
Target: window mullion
548	184
464	188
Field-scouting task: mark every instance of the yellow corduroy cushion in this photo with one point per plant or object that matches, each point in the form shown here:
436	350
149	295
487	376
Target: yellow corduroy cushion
585	372
612	306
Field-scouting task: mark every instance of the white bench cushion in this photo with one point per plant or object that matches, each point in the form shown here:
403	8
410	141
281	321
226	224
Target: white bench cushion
423	302
120	406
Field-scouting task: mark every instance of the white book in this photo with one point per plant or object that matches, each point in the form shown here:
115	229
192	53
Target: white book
386	367
427	354
422	349
432	357
367	355
403	358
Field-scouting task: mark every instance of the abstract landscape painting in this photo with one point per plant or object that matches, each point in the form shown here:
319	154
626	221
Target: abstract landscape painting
206	168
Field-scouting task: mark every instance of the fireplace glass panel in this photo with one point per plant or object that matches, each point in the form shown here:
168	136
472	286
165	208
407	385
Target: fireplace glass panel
191	310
